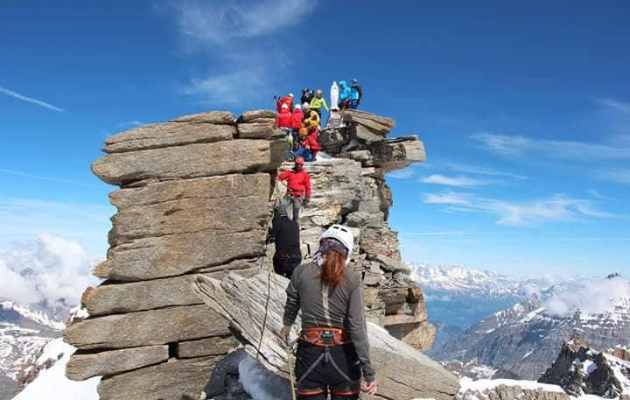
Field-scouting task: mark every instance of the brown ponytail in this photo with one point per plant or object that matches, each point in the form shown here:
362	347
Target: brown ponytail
332	269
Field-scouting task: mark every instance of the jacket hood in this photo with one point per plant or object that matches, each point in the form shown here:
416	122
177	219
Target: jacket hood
343	84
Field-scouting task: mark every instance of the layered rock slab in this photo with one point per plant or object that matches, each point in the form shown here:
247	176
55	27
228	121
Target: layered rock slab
190	161
146	328
223	204
177	254
156	293
85	366
173	380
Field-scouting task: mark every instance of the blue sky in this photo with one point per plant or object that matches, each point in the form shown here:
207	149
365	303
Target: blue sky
524	108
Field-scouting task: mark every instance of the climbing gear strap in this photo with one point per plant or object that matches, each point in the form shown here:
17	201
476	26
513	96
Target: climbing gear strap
327	358
325	337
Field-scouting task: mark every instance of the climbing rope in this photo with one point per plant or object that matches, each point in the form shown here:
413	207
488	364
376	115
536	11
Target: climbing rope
271	274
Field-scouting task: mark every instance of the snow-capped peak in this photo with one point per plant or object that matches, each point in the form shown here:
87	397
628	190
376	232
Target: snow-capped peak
37	316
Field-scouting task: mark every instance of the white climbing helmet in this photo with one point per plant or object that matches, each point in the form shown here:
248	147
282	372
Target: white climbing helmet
342	234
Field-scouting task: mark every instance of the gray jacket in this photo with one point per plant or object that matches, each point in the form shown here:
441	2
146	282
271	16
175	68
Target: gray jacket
323	306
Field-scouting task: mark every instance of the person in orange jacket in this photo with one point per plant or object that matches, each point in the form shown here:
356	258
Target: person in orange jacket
296	124
298	188
309	147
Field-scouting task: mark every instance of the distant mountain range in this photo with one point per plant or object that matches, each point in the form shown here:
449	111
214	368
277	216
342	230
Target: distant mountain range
458	297
521	341
24	331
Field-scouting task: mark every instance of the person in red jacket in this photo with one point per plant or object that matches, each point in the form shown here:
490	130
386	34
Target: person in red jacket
284	118
296	124
298	188
288	100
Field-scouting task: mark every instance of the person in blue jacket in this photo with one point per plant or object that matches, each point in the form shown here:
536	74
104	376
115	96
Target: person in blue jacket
356	93
344	95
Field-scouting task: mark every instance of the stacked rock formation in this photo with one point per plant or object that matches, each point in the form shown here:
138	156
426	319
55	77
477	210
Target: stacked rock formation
195	199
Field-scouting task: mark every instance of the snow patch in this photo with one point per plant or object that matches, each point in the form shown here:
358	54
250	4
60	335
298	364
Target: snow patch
53	381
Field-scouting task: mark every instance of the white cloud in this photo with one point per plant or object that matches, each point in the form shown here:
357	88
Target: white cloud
401	173
446	198
598	195
219	22
617	176
49	268
228	88
593	297
457	181
239	38
31	100
556	208
520	146
479	170
615	105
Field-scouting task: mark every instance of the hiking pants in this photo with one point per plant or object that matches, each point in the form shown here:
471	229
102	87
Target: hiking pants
324	379
285	264
302	152
296	201
354	104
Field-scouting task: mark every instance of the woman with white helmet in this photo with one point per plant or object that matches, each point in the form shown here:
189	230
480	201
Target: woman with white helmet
333	349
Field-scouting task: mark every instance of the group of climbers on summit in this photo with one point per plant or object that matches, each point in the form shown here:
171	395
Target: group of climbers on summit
302	122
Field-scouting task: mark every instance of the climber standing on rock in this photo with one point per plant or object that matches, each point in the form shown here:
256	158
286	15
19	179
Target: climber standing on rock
333	349
298	188
356	94
285	233
318	102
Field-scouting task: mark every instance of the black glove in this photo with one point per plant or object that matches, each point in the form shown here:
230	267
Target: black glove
306	201
270	239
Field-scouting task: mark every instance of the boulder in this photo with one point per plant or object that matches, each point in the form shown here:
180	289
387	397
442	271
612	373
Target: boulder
190	161
226	204
397	153
333	140
154	136
375	123
173	380
255	115
84	366
242	301
177	254
146	328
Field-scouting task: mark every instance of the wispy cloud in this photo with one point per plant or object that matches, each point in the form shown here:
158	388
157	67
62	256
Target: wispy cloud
401	173
43	178
241	40
521	146
615	105
31	100
617	175
220	22
557	208
600	196
455	181
480	170
129	124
